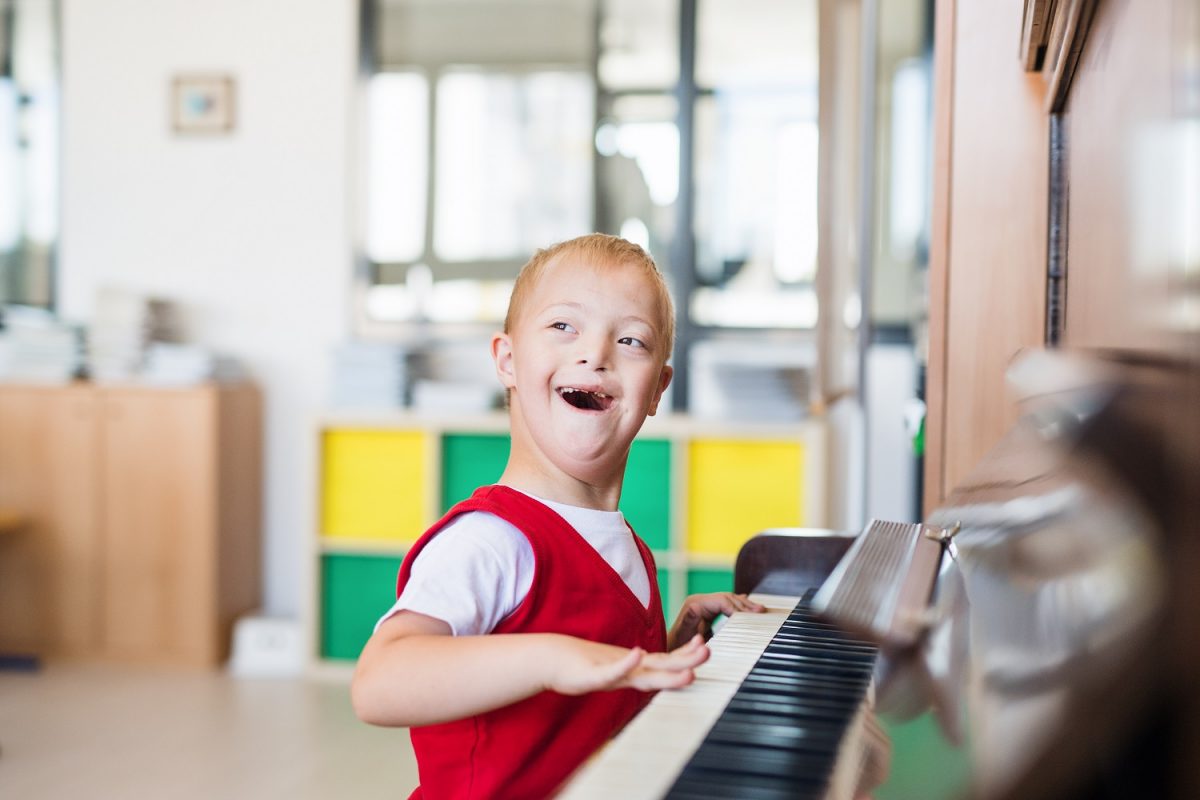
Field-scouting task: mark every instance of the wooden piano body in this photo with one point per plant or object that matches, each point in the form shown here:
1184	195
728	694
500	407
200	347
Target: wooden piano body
1055	650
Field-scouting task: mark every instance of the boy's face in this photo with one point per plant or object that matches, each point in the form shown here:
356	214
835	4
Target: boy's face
585	363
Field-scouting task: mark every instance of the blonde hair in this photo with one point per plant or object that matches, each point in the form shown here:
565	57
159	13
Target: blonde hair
598	249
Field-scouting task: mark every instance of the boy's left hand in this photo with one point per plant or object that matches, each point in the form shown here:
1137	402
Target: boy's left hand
699	610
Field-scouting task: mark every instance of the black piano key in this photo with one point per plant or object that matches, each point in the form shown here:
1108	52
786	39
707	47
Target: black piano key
779	680
829	647
715	757
809	666
698	790
816	654
780	734
798	643
811	737
766	689
745	786
785	676
786	709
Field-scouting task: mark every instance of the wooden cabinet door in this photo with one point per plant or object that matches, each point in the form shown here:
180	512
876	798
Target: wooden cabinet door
159	478
49	573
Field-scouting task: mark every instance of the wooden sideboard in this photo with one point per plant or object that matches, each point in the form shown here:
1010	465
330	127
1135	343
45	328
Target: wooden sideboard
142	516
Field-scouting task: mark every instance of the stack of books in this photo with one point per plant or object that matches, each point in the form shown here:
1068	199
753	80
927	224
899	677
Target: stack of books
369	376
123	327
169	364
763	379
456	377
35	347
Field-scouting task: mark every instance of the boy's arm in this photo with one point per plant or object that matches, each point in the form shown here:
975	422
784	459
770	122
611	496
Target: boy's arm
413	672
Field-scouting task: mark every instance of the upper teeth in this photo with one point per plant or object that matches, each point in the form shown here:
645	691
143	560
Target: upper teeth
569	390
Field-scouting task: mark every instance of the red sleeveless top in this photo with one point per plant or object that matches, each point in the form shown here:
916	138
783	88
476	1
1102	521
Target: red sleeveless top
525	750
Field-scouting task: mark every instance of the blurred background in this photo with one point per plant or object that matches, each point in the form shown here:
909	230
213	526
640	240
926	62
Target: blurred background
386	168
251	253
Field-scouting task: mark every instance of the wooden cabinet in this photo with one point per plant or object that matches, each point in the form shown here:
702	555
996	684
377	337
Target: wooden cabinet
143	516
49	580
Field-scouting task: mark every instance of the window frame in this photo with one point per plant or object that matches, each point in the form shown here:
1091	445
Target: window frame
680	259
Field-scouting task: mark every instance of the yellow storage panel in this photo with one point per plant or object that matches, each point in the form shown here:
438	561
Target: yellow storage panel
373	484
738	488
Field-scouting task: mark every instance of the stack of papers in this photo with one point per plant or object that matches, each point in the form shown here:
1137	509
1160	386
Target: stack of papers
124	325
455	397
456	377
185	365
755	380
369	375
37	348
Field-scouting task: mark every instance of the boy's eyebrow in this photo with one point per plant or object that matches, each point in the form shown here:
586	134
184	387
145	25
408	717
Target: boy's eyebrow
563	304
574	306
642	320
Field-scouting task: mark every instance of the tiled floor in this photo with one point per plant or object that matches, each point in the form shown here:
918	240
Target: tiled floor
100	731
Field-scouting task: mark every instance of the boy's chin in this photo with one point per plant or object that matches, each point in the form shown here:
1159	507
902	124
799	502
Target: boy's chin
593	455
586	449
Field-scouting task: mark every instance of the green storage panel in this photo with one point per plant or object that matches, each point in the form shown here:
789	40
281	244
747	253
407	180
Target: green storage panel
664	594
646	493
924	764
703	581
470	461
355	593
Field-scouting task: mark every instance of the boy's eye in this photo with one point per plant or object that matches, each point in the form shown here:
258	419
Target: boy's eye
562	326
631	341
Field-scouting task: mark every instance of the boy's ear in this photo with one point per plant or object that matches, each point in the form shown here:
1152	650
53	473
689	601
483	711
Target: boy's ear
503	356
664	380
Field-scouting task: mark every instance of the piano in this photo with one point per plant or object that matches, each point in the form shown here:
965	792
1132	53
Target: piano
1044	615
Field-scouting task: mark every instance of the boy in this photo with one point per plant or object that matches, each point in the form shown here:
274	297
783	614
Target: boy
543	563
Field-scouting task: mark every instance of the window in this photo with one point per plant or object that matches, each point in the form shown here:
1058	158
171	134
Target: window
514	167
480	118
755	122
511	125
29	131
756	211
398	152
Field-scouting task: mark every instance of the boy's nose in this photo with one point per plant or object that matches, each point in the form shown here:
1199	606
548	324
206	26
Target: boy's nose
593	362
594	353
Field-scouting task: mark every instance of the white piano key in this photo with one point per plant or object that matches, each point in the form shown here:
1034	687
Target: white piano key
644	760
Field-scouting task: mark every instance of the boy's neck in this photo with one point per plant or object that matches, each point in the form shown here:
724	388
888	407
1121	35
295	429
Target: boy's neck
547	483
531	471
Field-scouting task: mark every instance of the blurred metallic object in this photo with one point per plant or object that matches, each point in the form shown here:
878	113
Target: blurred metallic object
1061	635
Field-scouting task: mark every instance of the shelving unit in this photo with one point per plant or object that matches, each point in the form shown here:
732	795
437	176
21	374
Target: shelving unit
694	490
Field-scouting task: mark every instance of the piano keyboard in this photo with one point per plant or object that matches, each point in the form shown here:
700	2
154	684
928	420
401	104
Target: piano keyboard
764	718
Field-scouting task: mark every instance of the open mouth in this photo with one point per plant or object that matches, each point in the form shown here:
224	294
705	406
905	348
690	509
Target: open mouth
585	400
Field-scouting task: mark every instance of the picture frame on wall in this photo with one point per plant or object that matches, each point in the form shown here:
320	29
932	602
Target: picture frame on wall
202	104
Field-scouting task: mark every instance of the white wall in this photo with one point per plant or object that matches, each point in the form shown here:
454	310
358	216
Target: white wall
250	232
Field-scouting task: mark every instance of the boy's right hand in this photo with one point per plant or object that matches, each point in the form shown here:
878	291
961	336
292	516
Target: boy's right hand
581	666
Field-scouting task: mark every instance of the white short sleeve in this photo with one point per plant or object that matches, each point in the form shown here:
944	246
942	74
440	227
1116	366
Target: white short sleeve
479	568
472	575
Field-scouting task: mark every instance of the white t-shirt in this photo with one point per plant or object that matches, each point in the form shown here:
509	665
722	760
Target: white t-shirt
479	568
